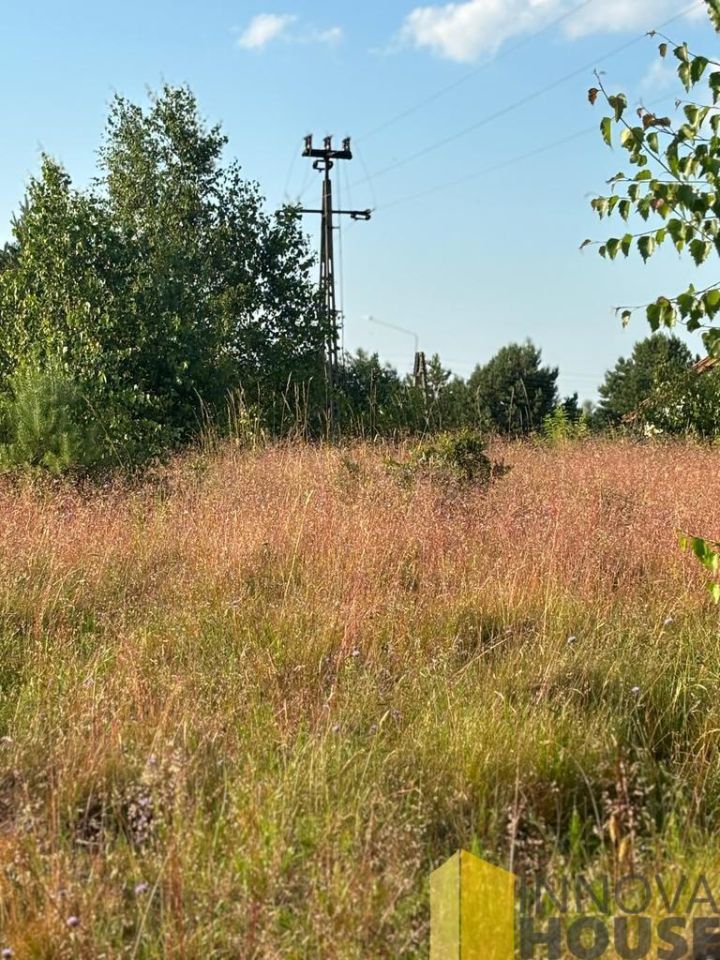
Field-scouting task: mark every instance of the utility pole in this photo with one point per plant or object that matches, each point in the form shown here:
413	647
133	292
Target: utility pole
420	371
420	374
324	160
420	377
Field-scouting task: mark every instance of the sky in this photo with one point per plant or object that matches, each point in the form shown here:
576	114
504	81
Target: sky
473	139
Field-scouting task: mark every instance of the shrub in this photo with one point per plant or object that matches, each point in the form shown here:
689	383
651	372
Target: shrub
559	427
45	425
457	457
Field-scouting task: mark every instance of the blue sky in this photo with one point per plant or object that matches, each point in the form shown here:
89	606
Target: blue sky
468	267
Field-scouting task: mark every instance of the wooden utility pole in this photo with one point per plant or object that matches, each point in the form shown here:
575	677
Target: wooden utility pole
420	372
324	160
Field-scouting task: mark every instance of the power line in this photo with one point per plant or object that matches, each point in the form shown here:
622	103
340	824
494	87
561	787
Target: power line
528	155
290	172
505	52
517	104
492	169
341	274
348	188
368	177
305	185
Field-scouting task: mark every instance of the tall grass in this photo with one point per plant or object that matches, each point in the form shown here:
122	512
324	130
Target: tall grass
247	707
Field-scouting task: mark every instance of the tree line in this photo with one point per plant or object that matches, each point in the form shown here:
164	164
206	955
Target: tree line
162	299
661	388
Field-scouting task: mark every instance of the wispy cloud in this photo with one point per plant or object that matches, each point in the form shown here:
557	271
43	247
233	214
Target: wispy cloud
469	29
614	16
268	27
331	36
264	28
659	77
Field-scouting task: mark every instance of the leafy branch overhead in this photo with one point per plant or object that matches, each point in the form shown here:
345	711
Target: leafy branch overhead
672	184
714	11
708	553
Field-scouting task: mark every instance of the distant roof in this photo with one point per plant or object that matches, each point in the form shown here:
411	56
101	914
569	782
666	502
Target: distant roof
707	363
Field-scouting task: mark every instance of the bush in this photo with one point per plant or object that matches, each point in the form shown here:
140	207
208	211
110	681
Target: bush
44	424
559	427
457	458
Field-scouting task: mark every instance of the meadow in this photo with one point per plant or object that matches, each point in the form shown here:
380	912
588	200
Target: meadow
248	704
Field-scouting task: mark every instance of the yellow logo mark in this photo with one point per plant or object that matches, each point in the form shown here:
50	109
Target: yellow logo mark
472	910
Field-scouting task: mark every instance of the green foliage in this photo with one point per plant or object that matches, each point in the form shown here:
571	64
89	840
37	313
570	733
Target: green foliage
44	424
455	457
648	386
162	287
513	393
438	377
714	12
675	187
372	400
708	553
450	400
657	387
561	425
8	256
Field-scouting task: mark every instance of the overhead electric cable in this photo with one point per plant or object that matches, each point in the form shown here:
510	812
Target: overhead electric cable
341	272
493	168
517	104
504	52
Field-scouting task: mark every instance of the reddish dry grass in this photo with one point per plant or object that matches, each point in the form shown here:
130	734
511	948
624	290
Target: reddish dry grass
598	520
295	635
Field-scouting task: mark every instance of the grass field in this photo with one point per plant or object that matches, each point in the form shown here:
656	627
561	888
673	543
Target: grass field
247	707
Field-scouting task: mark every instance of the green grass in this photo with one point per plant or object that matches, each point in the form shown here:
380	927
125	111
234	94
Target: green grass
246	711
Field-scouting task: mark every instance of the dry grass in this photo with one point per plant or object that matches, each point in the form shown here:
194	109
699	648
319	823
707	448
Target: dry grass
246	709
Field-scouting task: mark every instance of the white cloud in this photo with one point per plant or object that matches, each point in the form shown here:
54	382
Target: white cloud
264	28
331	36
660	77
613	16
468	29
